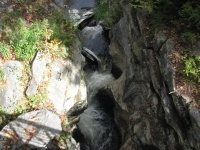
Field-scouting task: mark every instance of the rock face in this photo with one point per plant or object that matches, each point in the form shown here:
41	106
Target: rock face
52	83
37	69
34	129
150	113
94	40
11	91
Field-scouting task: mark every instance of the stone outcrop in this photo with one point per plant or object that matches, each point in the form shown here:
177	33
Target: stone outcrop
154	114
12	90
94	40
34	129
53	85
37	69
91	56
150	112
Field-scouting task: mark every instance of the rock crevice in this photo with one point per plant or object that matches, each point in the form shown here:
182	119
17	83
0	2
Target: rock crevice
158	116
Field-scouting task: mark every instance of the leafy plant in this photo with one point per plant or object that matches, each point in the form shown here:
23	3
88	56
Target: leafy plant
62	28
2	116
24	39
2	74
108	12
26	36
20	109
192	67
4	50
147	5
190	14
62	137
190	37
37	101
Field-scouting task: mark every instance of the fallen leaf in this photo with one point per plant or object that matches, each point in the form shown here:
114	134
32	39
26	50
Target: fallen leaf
29	133
13	136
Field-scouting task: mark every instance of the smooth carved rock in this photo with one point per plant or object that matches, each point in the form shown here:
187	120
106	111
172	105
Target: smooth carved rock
160	116
193	132
77	109
166	67
57	85
34	129
64	88
89	54
159	39
86	20
12	90
94	40
63	85
171	116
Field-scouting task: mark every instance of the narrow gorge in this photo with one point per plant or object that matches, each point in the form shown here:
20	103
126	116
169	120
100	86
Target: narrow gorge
119	92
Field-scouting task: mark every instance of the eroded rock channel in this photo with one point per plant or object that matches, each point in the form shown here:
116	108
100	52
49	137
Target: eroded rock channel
96	127
132	103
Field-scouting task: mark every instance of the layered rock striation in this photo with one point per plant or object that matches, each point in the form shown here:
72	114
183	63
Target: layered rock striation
150	112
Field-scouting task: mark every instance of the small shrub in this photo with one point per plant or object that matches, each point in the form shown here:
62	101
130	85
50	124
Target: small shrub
190	14
192	67
24	39
190	37
37	101
108	11
148	5
62	28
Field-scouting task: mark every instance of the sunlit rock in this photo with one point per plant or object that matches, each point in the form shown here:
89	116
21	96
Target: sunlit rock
37	69
34	129
12	90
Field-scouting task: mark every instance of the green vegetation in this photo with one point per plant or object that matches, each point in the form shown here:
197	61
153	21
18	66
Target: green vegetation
183	16
192	67
33	26
24	39
29	27
2	74
108	12
3	116
147	4
34	102
37	100
4	50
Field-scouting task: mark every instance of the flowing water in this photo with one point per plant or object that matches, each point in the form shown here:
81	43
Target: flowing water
97	121
79	4
96	125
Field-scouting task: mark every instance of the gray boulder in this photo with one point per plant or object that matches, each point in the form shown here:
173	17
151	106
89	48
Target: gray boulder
34	129
12	90
37	69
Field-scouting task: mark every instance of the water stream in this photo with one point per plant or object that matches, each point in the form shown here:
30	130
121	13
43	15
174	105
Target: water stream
97	121
96	125
80	4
